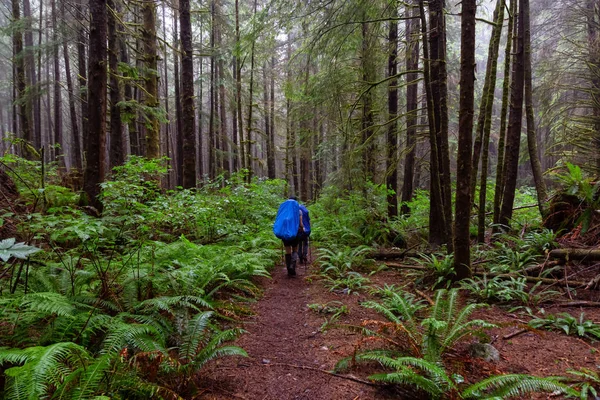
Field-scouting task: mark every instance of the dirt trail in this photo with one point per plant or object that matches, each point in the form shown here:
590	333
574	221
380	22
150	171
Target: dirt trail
283	336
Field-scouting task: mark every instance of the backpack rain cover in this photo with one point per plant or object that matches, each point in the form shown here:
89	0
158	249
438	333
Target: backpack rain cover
305	220
287	221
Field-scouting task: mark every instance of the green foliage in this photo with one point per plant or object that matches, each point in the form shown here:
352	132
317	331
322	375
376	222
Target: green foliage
351	218
8	249
444	326
588	381
134	299
568	324
507	290
440	268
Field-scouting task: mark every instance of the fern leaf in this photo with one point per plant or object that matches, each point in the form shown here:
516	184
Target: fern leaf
506	386
48	303
91	378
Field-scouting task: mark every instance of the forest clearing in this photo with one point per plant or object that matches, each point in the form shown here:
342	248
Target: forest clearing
447	153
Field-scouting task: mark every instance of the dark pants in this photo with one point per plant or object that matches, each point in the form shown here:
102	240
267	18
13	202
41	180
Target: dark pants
303	247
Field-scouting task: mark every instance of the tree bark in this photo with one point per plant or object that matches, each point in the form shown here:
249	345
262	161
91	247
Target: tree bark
536	167
462	243
484	124
504	111
250	107
33	102
58	131
241	153
412	91
187	92
116	155
392	132
72	111
437	221
178	150
151	79
96	142
513	136
21	83
271	153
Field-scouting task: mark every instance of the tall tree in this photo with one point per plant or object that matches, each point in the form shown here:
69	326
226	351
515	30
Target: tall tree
32	99
392	132
116	154
462	253
250	123
513	135
58	131
76	151
508	60
485	113
412	91
95	170
151	79
534	158
187	92
20	81
82	69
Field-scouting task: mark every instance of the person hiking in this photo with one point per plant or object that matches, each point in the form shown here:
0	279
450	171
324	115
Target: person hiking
303	245
288	227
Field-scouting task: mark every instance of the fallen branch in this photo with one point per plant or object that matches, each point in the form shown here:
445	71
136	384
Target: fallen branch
548	281
516	333
350	378
581	303
576	254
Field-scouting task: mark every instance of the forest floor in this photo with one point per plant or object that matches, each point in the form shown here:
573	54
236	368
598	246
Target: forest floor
290	357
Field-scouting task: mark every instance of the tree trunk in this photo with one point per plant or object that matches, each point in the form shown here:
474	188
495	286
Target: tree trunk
72	111
116	156
504	111
439	83
367	104
593	21
462	246
150	57
223	134
536	167
513	136
437	216
58	133
81	63
392	132
271	139
412	91
21	84
187	92
211	123
250	108
238	90
33	102
178	136
488	99
96	142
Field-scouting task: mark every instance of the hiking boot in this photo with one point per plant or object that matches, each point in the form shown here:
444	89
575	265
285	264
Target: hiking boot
290	264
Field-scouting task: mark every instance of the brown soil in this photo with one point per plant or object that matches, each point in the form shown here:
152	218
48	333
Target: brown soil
289	355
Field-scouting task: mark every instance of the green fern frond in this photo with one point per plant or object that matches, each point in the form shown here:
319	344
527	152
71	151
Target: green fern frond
48	303
140	336
408	377
195	334
381	309
90	378
506	386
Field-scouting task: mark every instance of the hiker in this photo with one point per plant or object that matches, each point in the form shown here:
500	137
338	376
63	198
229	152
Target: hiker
303	245
288	227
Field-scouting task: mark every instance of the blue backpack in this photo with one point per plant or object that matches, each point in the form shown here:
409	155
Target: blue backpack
305	220
287	221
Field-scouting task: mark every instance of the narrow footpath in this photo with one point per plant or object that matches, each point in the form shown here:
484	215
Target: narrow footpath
287	352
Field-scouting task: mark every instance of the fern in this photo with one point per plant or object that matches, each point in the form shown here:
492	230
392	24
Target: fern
507	386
